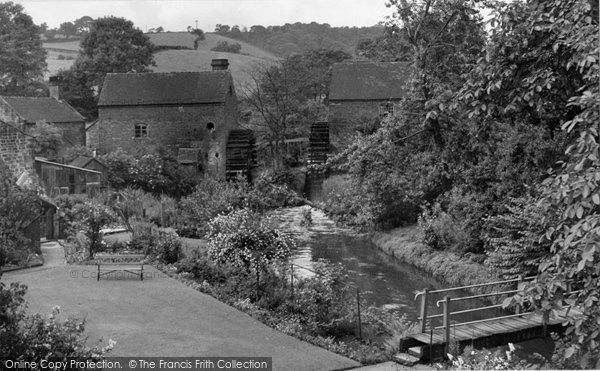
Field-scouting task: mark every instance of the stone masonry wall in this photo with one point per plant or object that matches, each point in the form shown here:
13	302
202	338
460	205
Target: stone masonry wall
15	147
174	127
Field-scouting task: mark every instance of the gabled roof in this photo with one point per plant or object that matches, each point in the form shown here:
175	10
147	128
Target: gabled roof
83	161
369	81
34	109
132	89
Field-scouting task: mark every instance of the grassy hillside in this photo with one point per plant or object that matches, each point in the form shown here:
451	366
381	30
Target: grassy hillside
185	39
61	55
199	60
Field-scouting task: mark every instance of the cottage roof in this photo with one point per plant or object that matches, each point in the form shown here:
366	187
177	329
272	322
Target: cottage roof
34	109
369	81
83	161
132	89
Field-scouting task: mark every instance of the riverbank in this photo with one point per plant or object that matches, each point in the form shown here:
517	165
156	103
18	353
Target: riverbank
405	245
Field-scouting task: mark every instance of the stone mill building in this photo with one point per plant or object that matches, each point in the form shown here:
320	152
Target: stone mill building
192	114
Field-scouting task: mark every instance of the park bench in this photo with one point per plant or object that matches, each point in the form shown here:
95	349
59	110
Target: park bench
110	263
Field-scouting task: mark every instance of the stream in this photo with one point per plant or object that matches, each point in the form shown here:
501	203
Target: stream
382	280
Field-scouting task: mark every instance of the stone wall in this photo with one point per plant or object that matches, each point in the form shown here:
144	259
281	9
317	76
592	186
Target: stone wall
204	126
15	147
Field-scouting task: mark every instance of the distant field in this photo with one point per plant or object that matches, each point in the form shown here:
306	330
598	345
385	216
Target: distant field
177	60
199	60
67	45
186	39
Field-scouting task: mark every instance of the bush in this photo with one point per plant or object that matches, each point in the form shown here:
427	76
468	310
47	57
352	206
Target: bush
224	46
515	241
168	248
35	338
440	231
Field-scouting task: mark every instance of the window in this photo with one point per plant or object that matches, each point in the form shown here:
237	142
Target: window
141	130
386	110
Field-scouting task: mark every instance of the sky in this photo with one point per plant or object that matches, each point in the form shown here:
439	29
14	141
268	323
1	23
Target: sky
176	15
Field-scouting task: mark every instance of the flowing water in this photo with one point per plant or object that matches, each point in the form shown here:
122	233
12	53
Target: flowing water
382	280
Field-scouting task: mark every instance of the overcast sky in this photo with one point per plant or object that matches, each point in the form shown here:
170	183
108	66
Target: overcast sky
176	15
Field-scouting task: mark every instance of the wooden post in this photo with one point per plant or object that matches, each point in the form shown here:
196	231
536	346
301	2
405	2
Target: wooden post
424	311
358	307
518	308
446	303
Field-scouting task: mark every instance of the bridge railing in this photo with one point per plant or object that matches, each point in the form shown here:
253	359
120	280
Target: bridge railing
424	297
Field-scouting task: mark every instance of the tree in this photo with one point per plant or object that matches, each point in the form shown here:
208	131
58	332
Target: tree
112	45
83	25
572	194
48	139
68	29
91	217
19	209
22	58
244	241
285	98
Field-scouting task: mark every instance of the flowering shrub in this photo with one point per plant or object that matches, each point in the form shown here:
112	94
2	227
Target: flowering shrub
484	359
242	239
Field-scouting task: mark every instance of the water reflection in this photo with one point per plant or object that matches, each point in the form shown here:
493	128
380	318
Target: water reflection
383	280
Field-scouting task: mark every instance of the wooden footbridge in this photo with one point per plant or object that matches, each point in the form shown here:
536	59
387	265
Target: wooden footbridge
456	317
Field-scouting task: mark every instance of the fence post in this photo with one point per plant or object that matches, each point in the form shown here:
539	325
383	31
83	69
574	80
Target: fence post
292	279
424	310
358	307
447	321
518	308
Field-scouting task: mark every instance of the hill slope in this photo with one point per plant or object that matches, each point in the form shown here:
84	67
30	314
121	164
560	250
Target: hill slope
185	39
199	60
61	55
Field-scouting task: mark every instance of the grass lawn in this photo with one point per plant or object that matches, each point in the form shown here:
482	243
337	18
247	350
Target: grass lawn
160	316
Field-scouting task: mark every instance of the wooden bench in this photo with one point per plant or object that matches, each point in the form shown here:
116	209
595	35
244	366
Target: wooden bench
110	263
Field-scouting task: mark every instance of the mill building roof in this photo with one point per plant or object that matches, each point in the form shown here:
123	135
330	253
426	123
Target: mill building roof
132	89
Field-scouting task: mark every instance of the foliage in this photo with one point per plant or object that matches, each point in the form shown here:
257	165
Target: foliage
22	57
209	199
212	197
76	248
20	208
156	172
168	248
307	219
298	38
441	231
224	46
245	241
35	337
112	45
514	243
472	359
347	203
48	139
90	217
566	32
284	99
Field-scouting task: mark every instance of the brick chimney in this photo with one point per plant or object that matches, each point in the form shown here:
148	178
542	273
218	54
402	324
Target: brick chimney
54	86
219	64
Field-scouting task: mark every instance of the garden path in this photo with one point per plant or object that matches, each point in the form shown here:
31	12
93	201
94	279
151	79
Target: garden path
161	316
